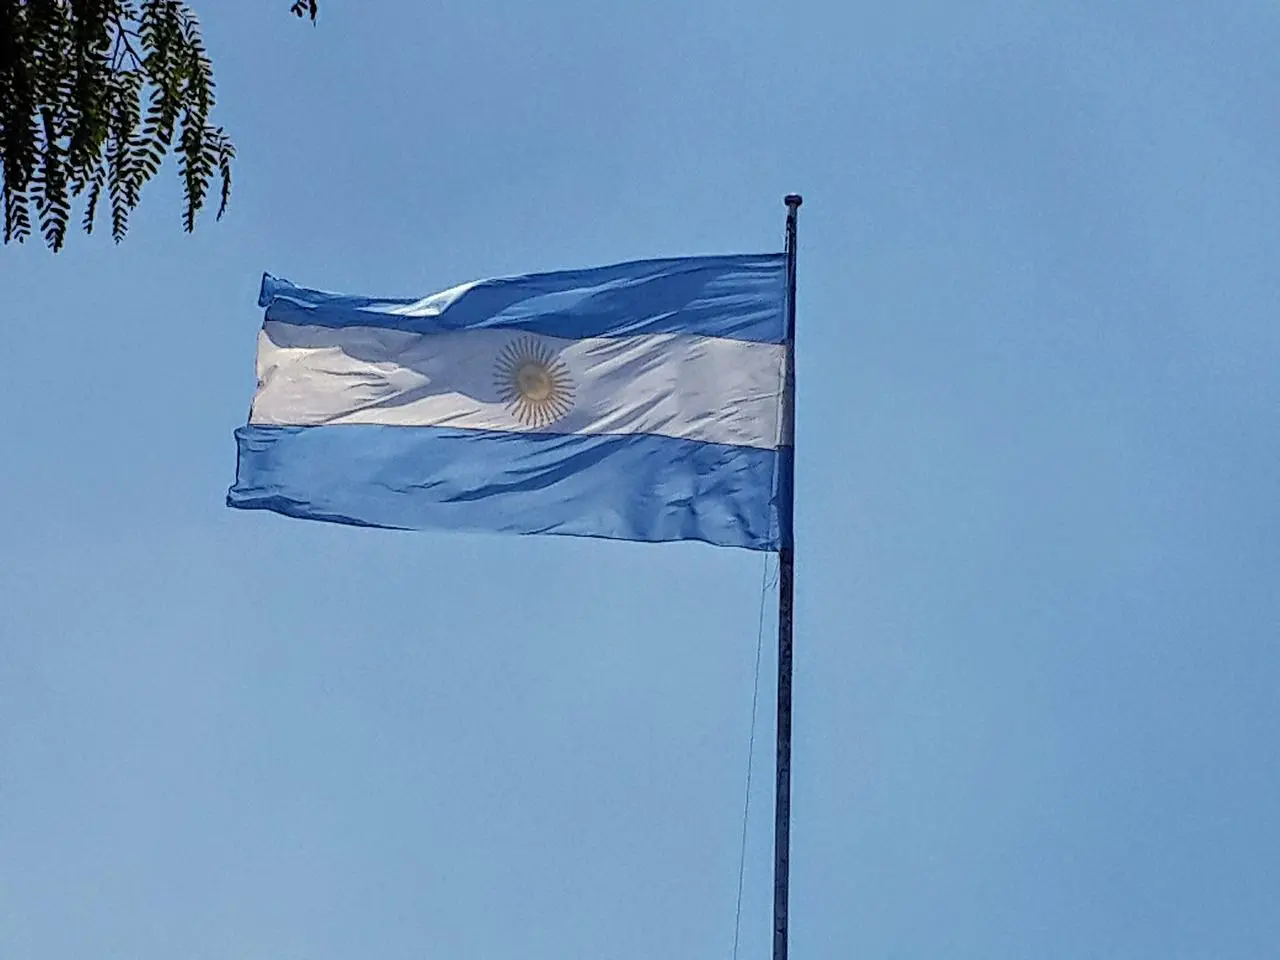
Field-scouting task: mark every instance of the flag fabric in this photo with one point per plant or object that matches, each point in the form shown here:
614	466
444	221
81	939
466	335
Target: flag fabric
641	401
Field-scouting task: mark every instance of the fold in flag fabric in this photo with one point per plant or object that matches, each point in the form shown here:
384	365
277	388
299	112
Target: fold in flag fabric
641	401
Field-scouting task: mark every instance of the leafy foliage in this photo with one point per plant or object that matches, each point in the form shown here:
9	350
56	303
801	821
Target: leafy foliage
94	94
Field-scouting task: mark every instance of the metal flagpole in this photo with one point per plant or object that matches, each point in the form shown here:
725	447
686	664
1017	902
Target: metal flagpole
786	597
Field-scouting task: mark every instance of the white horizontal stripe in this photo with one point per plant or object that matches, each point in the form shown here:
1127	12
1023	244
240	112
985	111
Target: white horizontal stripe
674	385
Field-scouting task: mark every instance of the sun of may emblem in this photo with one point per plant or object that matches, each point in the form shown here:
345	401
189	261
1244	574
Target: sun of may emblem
533	383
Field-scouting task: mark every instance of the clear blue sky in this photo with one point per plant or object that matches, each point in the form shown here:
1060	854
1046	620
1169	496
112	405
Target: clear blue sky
1038	521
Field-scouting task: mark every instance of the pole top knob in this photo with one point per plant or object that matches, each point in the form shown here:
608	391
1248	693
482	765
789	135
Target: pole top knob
793	200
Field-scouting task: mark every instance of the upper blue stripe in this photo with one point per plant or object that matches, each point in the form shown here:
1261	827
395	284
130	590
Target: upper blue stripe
739	297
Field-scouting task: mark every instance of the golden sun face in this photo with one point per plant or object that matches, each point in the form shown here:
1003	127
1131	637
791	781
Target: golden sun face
533	382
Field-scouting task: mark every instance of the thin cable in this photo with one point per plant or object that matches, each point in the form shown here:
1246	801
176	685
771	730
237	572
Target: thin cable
751	755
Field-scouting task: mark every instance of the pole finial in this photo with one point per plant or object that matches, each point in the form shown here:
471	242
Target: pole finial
793	200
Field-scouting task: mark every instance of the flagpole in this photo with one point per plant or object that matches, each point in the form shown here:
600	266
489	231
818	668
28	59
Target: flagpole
786	598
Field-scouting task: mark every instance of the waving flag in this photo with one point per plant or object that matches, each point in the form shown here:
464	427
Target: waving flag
641	401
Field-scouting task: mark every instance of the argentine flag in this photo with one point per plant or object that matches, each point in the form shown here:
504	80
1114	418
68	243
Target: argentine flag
641	401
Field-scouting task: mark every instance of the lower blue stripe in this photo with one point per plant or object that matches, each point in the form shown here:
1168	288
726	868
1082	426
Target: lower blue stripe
631	487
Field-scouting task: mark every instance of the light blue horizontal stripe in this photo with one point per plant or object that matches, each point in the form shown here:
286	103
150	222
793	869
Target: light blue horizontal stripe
737	297
636	487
